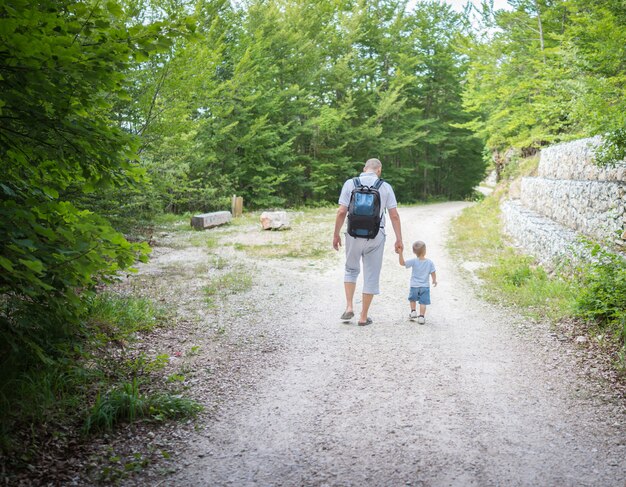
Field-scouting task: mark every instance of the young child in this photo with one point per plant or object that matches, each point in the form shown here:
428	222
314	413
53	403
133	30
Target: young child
420	286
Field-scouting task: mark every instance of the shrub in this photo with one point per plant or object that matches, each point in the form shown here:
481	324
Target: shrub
37	395
603	295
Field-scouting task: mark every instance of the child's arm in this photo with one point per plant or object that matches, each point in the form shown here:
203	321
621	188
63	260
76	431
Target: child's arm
401	258
434	276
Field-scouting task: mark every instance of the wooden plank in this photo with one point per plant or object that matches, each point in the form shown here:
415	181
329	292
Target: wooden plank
237	206
238	211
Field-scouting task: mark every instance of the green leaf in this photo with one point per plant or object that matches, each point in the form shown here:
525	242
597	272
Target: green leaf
115	8
8	191
46	232
33	265
6	263
141	56
50	192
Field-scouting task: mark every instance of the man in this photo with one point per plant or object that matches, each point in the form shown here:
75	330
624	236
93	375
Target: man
370	251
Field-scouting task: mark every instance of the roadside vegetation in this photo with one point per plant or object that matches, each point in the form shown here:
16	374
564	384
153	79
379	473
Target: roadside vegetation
90	382
101	375
590	297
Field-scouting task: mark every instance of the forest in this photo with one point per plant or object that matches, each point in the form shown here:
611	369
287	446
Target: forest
113	113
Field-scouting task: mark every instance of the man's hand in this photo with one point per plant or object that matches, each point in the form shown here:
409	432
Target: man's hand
336	242
342	212
397	229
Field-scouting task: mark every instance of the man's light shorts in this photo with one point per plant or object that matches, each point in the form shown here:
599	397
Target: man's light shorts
371	252
420	295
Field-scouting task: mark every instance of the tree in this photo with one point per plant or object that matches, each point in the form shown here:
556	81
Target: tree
549	71
63	71
282	100
448	159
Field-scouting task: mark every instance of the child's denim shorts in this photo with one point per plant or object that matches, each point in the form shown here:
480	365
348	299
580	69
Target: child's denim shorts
420	295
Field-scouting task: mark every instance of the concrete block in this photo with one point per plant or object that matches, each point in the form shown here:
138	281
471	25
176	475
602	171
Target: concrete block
208	220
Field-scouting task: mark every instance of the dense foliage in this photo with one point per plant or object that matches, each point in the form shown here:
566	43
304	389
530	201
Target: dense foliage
63	74
603	294
58	78
282	101
550	70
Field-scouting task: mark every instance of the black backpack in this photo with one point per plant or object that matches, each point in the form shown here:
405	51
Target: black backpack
364	213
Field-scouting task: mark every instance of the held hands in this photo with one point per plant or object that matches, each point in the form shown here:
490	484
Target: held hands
399	247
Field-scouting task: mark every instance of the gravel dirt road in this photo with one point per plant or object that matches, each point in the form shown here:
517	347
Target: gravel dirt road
475	397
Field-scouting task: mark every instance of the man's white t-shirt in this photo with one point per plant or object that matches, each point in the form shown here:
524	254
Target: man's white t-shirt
387	196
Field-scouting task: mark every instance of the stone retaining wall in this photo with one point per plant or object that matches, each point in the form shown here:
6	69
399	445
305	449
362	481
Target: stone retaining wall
574	160
595	209
570	197
539	236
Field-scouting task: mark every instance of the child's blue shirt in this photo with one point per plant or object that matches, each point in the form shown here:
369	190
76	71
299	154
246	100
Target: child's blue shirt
421	270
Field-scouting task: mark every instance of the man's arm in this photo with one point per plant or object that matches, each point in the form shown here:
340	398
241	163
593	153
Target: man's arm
397	228
342	211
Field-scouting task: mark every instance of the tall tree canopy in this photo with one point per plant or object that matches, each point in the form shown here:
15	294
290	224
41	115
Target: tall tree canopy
550	70
283	100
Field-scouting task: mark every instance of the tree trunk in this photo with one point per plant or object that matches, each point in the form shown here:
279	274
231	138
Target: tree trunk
540	31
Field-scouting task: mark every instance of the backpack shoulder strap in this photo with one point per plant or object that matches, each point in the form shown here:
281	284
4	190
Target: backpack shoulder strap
378	184
357	182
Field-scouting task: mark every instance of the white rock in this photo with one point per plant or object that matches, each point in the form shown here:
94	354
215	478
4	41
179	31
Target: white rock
275	220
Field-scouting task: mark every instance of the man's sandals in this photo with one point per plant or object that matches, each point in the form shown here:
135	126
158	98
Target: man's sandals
347	315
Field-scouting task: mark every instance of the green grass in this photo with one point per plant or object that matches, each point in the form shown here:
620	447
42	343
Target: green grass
291	250
218	262
125	403
520	167
522	282
592	292
116	317
236	281
507	275
603	298
172	222
207	240
309	237
248	218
